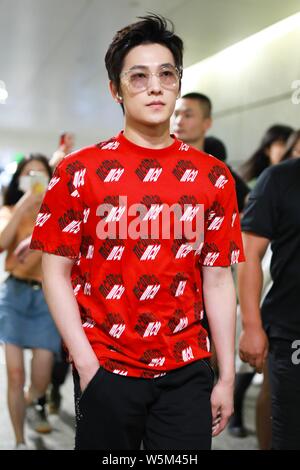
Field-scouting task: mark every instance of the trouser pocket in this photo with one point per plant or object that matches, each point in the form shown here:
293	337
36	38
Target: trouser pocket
82	399
90	385
206	364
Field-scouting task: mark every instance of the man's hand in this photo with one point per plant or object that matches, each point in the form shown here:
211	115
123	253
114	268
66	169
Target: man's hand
87	373
254	347
221	406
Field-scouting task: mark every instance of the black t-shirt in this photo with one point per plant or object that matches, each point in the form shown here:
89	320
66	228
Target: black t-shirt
242	189
273	212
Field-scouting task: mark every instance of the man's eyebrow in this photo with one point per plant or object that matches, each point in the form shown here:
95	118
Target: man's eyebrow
147	68
185	110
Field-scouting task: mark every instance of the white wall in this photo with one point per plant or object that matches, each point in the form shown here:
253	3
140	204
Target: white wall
250	85
30	142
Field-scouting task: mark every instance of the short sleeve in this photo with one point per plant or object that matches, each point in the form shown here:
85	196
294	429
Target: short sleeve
261	214
58	227
222	244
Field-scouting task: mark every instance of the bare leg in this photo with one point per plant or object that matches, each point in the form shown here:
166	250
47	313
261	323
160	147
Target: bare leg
263	413
41	369
15	389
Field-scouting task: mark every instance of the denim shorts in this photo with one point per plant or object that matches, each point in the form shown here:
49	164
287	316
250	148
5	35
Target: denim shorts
25	320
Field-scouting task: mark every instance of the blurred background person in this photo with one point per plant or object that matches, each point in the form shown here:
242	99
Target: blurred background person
272	150
292	149
61	366
191	121
269	329
269	152
25	321
66	145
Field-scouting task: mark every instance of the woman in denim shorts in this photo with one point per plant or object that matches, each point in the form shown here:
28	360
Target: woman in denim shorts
25	321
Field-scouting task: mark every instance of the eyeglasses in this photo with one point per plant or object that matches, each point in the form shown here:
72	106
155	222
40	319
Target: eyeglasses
139	78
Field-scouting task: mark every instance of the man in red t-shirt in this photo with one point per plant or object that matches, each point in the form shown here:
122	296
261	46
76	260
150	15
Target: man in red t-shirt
138	233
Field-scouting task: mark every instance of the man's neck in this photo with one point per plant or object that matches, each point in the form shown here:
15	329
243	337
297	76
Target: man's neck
155	137
198	144
64	148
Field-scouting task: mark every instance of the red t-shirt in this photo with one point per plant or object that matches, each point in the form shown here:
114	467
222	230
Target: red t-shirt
140	298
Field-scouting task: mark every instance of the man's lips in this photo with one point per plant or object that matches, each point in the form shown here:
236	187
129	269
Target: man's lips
156	103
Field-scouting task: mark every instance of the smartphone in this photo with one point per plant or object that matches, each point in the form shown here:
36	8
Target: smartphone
37	181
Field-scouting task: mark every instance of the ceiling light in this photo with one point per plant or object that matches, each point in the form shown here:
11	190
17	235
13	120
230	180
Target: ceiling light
3	92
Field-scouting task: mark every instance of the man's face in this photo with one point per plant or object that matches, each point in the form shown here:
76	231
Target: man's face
69	140
189	122
34	165
296	150
148	99
276	151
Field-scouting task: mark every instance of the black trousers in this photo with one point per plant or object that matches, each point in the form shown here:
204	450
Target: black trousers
285	395
172	412
60	369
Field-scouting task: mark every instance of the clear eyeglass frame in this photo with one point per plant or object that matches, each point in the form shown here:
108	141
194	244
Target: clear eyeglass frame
128	75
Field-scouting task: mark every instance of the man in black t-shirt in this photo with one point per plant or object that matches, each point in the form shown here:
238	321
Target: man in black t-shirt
273	216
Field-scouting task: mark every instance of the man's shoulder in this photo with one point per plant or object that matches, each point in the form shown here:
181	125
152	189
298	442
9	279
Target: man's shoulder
202	158
285	170
85	155
290	166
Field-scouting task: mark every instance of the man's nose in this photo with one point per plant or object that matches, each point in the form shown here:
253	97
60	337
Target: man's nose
178	120
154	85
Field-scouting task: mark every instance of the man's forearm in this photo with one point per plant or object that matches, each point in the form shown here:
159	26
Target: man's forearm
220	306
8	233
250	283
64	309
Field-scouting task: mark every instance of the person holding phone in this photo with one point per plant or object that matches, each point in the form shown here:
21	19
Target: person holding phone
25	321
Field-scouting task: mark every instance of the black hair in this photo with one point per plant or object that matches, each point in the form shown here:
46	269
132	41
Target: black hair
215	147
292	140
203	100
259	161
63	136
12	193
152	29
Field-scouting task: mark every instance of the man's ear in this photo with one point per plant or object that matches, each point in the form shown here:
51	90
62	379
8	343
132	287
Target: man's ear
179	93
208	123
114	92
